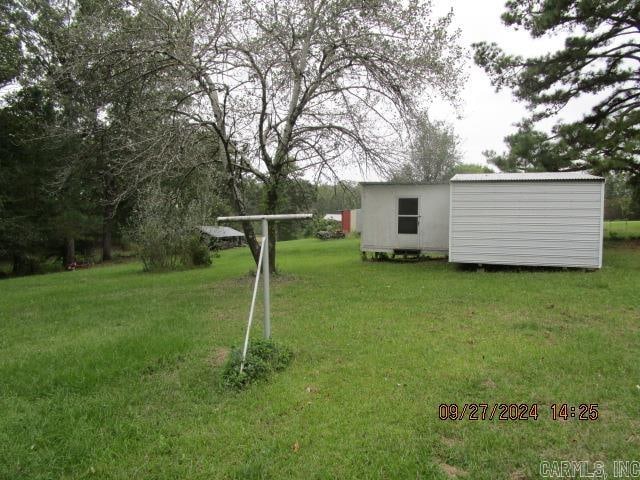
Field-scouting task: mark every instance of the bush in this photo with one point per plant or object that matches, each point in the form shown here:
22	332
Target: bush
198	253
27	265
319	224
264	357
163	229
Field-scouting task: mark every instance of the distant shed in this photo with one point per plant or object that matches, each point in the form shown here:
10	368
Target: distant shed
336	217
543	219
345	222
351	221
356	220
225	236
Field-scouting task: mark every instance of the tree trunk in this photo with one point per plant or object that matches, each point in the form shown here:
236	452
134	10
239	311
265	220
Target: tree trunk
273	238
18	264
238	205
272	208
69	252
250	237
107	230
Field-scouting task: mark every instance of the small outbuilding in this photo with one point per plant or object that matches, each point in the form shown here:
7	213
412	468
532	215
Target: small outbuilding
351	221
541	219
335	217
404	218
221	236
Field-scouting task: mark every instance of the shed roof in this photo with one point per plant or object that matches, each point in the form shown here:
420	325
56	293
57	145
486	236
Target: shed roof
220	232
409	184
337	217
527	177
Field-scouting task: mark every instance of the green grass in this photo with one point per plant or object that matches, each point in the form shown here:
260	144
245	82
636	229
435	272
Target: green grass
622	229
112	373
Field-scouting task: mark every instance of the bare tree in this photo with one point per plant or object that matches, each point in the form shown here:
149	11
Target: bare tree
288	86
433	156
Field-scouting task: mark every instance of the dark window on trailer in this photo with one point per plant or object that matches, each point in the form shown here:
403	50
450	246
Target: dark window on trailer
408	215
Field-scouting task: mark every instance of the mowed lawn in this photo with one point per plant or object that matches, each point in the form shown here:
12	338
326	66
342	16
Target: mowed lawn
113	373
622	229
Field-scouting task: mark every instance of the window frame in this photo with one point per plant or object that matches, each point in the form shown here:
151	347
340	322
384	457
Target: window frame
399	216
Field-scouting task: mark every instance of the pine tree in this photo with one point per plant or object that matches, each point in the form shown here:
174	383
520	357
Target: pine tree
601	57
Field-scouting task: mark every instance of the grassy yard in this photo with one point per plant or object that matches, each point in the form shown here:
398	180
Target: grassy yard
616	229
113	373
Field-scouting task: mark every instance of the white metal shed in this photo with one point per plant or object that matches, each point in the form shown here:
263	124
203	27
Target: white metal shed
399	217
336	217
544	219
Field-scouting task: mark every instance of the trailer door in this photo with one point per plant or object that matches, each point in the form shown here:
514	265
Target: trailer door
408	222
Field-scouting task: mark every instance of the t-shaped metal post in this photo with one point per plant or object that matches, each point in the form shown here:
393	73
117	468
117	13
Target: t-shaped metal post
265	255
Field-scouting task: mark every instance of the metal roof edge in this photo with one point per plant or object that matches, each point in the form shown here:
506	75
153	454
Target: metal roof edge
526	177
535	180
408	184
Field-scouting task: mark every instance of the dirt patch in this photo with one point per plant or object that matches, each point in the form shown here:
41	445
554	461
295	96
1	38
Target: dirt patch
449	442
220	356
623	243
311	389
549	337
451	471
518	475
488	383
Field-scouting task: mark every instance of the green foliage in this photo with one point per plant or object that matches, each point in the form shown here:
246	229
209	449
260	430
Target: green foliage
529	150
344	195
10	55
138	99
38	209
264	357
294	195
472	168
27	264
319	224
198	252
619	198
163	227
622	230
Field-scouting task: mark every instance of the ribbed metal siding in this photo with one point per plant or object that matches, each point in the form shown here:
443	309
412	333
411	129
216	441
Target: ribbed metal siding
527	223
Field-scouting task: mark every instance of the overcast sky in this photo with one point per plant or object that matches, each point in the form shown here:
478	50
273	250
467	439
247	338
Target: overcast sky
486	116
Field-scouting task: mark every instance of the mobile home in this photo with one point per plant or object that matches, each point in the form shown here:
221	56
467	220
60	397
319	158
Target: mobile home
402	218
539	219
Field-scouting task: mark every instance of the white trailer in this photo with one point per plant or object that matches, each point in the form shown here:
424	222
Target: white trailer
404	218
541	219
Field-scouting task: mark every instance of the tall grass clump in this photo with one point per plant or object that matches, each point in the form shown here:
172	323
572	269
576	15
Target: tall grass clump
264	357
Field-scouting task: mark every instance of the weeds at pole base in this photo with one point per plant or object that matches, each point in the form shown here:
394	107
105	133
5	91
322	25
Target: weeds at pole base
264	357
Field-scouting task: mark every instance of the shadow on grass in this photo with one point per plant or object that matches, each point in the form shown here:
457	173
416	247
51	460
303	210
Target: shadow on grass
472	267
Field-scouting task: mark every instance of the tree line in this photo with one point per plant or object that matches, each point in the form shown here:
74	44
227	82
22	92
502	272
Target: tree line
201	103
141	115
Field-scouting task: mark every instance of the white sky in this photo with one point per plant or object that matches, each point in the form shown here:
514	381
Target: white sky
487	116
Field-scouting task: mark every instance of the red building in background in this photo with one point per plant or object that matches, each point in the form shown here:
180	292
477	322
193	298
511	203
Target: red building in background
346	221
